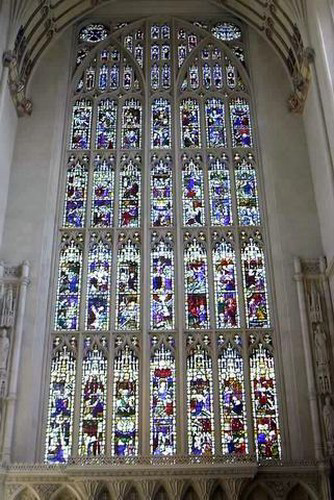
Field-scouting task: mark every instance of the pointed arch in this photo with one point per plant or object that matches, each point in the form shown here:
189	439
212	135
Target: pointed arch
218	493
161	493
26	493
190	494
258	491
132	494
300	492
65	493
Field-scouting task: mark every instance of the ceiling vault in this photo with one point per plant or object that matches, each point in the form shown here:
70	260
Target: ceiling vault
35	23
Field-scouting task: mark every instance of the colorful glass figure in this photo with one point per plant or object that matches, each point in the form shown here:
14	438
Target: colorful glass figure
155	52
231	76
98	287
155	76
162	286
182	54
225	284
255	285
190	124
129	196
90	74
194	77
131	124
93	33
103	77
226	32
139	54
219	191
92	434
81	124
128	287
166	76
163	421
125	404
106	126
200	403
206	76
69	285
264	402
232	402
247	196
61	403
103	193
218	76
81	54
240	123
196	286
215	123
161	124
162	192
114	77
193	194
76	193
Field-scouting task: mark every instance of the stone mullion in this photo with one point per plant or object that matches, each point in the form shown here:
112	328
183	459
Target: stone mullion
109	399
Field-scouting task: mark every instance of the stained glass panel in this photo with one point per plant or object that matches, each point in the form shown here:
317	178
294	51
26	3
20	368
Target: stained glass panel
196	286
93	33
200	403
163	421
161	192
190	123
128	287
81	124
240	123
93	399
193	194
226	32
225	285
98	286
215	123
131	124
61	403
255	285
220	191
68	289
264	402
106	124
161	124
129	197
125	404
103	193
76	193
162	286
247	196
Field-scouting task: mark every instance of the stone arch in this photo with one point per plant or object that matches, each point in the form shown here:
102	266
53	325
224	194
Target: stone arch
132	494
258	491
65	493
103	493
300	492
161	493
26	493
190	494
218	493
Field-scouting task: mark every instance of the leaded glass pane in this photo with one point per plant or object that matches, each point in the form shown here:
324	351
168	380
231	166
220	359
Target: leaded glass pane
128	287
162	285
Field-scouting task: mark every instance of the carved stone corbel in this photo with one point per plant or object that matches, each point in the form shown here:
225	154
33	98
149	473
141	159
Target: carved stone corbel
16	84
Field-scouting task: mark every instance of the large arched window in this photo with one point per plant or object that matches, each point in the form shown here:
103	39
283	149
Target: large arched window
162	334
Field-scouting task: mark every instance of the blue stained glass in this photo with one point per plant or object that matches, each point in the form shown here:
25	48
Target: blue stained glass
155	76
125	404
247	195
240	123
192	42
225	285
231	76
81	124
165	31
207	76
129	204
193	194
128	287
162	286
155	32
162	193
76	194
196	286
220	192
127	77
69	285
194	77
103	193
131	124
128	43
161	123
215	123
190	124
139	54
218	76
114	77
226	32
61	403
98	287
182	54
165	52
163	421
200	403
155	52
165	76
106	127
93	33
90	78
103	77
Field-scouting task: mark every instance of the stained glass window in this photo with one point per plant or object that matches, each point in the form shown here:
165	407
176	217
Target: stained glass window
129	197
200	403
161	124
255	285
76	193
193	194
161	192
226	32
131	124
106	124
232	401
225	284
264	402
190	124
163	402
240	123
81	124
215	123
128	287
98	285
196	285
246	189
61	401
93	33
162	285
219	191
103	192
69	285
125	403
93	399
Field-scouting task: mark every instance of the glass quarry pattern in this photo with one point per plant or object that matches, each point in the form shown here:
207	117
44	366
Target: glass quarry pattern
161	251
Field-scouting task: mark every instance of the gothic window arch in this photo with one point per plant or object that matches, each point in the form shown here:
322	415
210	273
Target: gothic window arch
161	261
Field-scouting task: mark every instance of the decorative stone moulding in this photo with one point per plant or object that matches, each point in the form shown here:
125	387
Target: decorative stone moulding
279	21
